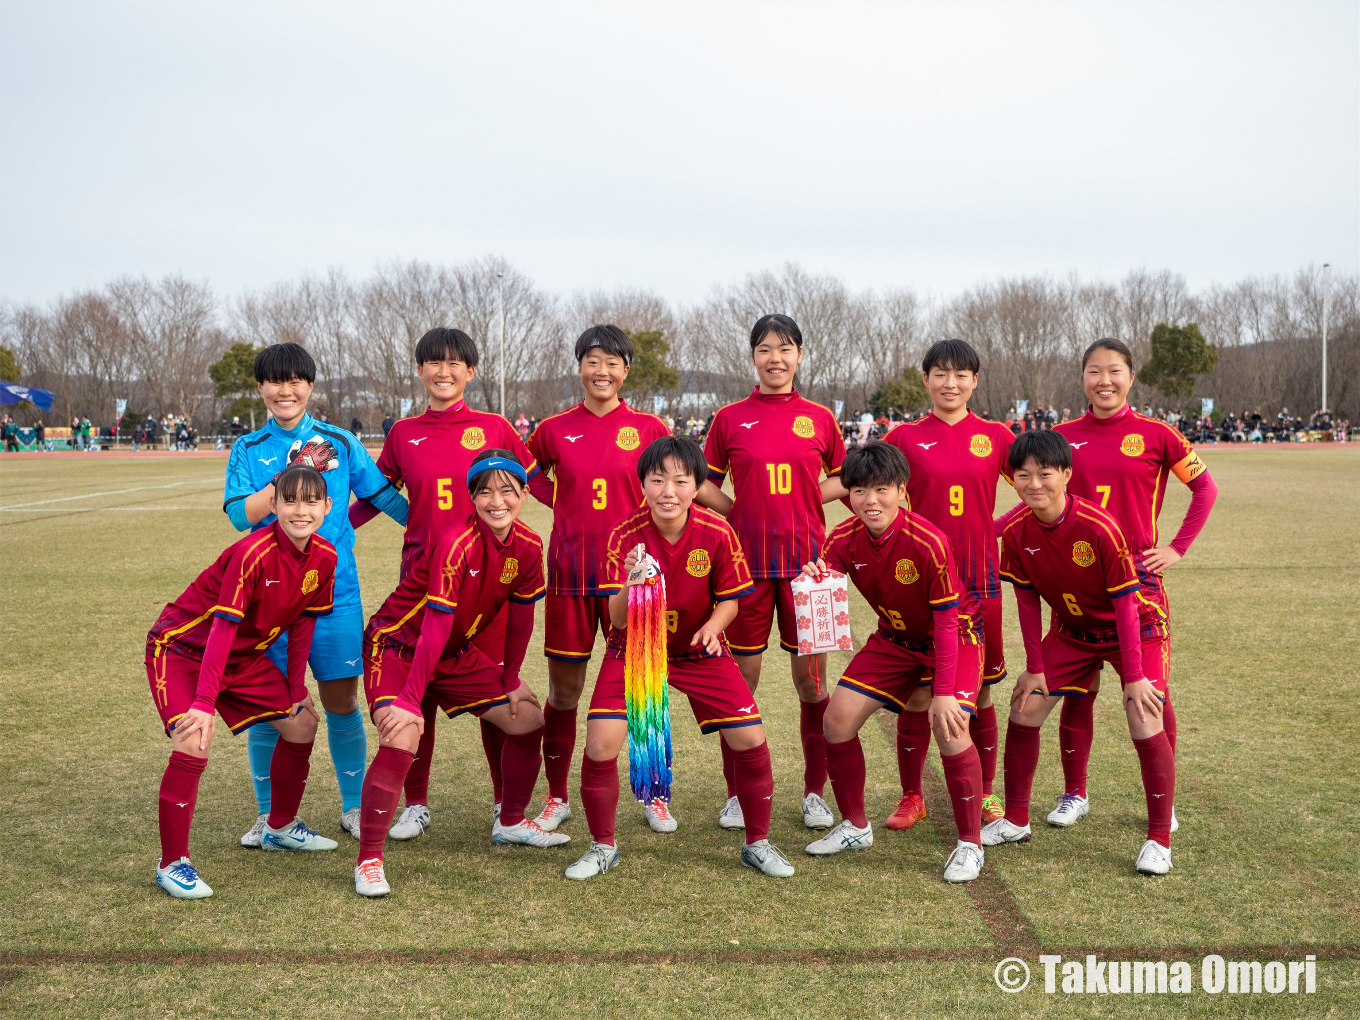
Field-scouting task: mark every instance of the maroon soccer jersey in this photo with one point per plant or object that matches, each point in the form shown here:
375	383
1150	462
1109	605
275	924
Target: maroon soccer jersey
1121	463
905	574
776	446
1078	565
263	583
430	455
467	572
954	471
593	460
705	566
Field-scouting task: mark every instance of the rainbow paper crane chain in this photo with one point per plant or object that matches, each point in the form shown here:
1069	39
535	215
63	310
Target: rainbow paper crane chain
644	685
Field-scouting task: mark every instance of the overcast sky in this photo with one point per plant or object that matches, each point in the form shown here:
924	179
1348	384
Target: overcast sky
677	146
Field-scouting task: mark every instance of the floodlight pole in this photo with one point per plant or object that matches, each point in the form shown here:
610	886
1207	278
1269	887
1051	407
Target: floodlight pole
500	300
1325	267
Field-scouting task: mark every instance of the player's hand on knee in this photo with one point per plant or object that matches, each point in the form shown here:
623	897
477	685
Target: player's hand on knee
196	722
1144	698
392	720
947	717
1027	684
521	695
306	706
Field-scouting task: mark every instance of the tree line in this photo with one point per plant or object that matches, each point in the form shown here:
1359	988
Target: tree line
154	343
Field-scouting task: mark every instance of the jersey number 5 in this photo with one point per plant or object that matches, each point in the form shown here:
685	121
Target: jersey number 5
443	488
600	494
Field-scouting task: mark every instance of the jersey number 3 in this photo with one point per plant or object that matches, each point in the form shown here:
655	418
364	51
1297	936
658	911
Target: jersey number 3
600	494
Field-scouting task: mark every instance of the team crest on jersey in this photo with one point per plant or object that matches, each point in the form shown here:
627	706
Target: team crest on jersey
509	570
803	426
1132	445
699	563
980	445
906	572
474	438
628	438
311	581
1082	554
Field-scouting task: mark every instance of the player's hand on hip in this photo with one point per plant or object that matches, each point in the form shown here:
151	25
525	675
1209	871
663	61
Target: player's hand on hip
391	720
1145	699
519	695
1157	560
709	638
1027	684
945	713
196	721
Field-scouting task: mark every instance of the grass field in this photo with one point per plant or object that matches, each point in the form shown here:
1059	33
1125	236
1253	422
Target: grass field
1266	637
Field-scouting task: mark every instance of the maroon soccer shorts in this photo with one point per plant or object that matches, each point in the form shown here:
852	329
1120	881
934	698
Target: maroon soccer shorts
994	652
570	623
718	696
469	682
890	672
749	633
256	692
1072	661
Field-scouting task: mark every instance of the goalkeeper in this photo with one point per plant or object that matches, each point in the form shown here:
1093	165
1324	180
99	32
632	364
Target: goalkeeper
284	374
705	571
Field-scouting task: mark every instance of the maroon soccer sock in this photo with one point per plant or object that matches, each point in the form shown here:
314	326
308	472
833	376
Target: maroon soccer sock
378	805
845	764
1020	760
418	778
913	741
1159	784
729	763
600	796
1169	723
179	795
755	790
521	757
493	744
288	771
982	729
559	741
810	716
1076	730
963	777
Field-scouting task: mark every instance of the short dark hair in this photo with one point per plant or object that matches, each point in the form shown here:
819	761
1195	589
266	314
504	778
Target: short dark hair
781	326
301	481
875	464
281	363
681	449
444	343
476	481
951	355
1109	343
1043	446
608	338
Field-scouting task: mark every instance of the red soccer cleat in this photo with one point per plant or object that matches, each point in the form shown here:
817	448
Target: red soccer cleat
992	809
910	810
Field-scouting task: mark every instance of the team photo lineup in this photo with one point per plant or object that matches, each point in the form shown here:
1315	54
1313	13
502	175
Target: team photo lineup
683	557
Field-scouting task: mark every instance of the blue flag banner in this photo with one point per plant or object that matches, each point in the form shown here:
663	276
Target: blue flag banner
13	393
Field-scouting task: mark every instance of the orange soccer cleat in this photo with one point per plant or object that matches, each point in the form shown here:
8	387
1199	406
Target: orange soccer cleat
992	809
910	810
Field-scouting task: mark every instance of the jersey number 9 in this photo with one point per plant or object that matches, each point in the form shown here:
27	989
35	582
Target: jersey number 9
956	501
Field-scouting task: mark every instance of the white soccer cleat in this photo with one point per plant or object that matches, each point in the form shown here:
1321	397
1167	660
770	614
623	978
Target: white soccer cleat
964	864
1153	859
251	840
180	880
1003	830
1072	808
816	813
766	859
595	861
526	833
554	813
730	817
1174	824
411	823
294	836
349	821
370	879
846	836
496	812
659	817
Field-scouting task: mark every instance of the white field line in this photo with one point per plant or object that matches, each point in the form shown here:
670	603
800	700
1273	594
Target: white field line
111	492
101	509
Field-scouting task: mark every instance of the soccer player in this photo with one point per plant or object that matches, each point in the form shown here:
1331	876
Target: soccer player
1122	461
1071	554
926	654
776	444
206	655
421	643
705	573
591	453
284	374
956	459
429	455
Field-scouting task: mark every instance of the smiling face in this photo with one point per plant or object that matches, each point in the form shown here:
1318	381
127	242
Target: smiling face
950	388
1043	489
602	375
776	359
497	500
1106	377
876	504
669	491
300	515
286	401
445	380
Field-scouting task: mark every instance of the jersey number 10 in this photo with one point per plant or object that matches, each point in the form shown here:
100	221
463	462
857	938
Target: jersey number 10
781	478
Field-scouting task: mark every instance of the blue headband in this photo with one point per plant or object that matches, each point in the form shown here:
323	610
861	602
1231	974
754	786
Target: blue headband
514	467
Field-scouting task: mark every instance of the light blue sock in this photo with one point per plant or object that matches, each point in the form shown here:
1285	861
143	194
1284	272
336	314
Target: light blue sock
349	753
260	741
